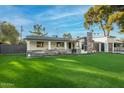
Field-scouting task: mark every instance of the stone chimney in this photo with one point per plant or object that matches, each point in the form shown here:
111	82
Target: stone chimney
89	42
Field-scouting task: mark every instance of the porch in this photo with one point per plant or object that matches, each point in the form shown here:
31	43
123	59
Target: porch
41	48
49	45
119	48
110	47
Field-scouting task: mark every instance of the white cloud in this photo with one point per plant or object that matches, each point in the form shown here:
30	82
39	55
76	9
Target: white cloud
61	12
55	19
60	16
16	20
71	24
13	15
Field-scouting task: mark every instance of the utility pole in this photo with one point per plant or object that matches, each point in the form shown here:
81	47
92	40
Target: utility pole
21	32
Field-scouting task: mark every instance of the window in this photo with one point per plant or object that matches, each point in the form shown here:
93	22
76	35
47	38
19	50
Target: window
60	44
40	44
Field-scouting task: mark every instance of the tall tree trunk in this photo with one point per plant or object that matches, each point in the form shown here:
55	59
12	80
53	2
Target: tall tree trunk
103	28
108	33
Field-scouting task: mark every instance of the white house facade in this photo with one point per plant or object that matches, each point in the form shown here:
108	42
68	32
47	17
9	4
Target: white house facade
42	45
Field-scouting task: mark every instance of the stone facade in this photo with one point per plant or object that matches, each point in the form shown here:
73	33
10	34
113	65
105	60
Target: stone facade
90	42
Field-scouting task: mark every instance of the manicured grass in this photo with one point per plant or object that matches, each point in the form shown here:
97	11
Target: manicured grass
94	70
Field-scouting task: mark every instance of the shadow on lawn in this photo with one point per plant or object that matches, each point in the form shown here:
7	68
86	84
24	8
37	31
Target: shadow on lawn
86	77
30	74
109	62
47	72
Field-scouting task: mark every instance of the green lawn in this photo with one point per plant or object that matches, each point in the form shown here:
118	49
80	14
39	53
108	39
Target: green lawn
94	70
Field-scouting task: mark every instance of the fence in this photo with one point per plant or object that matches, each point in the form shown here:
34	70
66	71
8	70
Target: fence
12	49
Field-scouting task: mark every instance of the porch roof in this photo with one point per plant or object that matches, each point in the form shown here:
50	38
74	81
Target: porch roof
47	38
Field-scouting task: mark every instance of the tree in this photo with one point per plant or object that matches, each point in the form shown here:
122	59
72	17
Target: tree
67	35
38	30
117	17
105	16
8	33
98	15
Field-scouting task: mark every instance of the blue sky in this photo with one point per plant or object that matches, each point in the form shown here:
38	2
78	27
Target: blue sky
56	19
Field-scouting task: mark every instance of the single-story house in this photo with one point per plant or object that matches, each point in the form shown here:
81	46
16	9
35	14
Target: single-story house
43	45
40	45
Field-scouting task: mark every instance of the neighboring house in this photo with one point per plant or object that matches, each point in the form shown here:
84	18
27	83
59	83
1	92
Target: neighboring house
104	44
42	45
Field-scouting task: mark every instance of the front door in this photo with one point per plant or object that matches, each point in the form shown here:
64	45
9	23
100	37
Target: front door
102	47
69	45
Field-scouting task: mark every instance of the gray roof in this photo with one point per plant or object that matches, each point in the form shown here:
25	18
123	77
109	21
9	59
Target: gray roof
81	38
46	38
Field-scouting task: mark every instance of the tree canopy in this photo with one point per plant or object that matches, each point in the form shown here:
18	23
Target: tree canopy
8	33
67	35
38	30
105	16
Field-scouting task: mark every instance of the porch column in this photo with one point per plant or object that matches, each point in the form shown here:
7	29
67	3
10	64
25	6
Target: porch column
28	48
49	45
113	47
80	45
28	45
99	47
65	45
77	45
106	47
